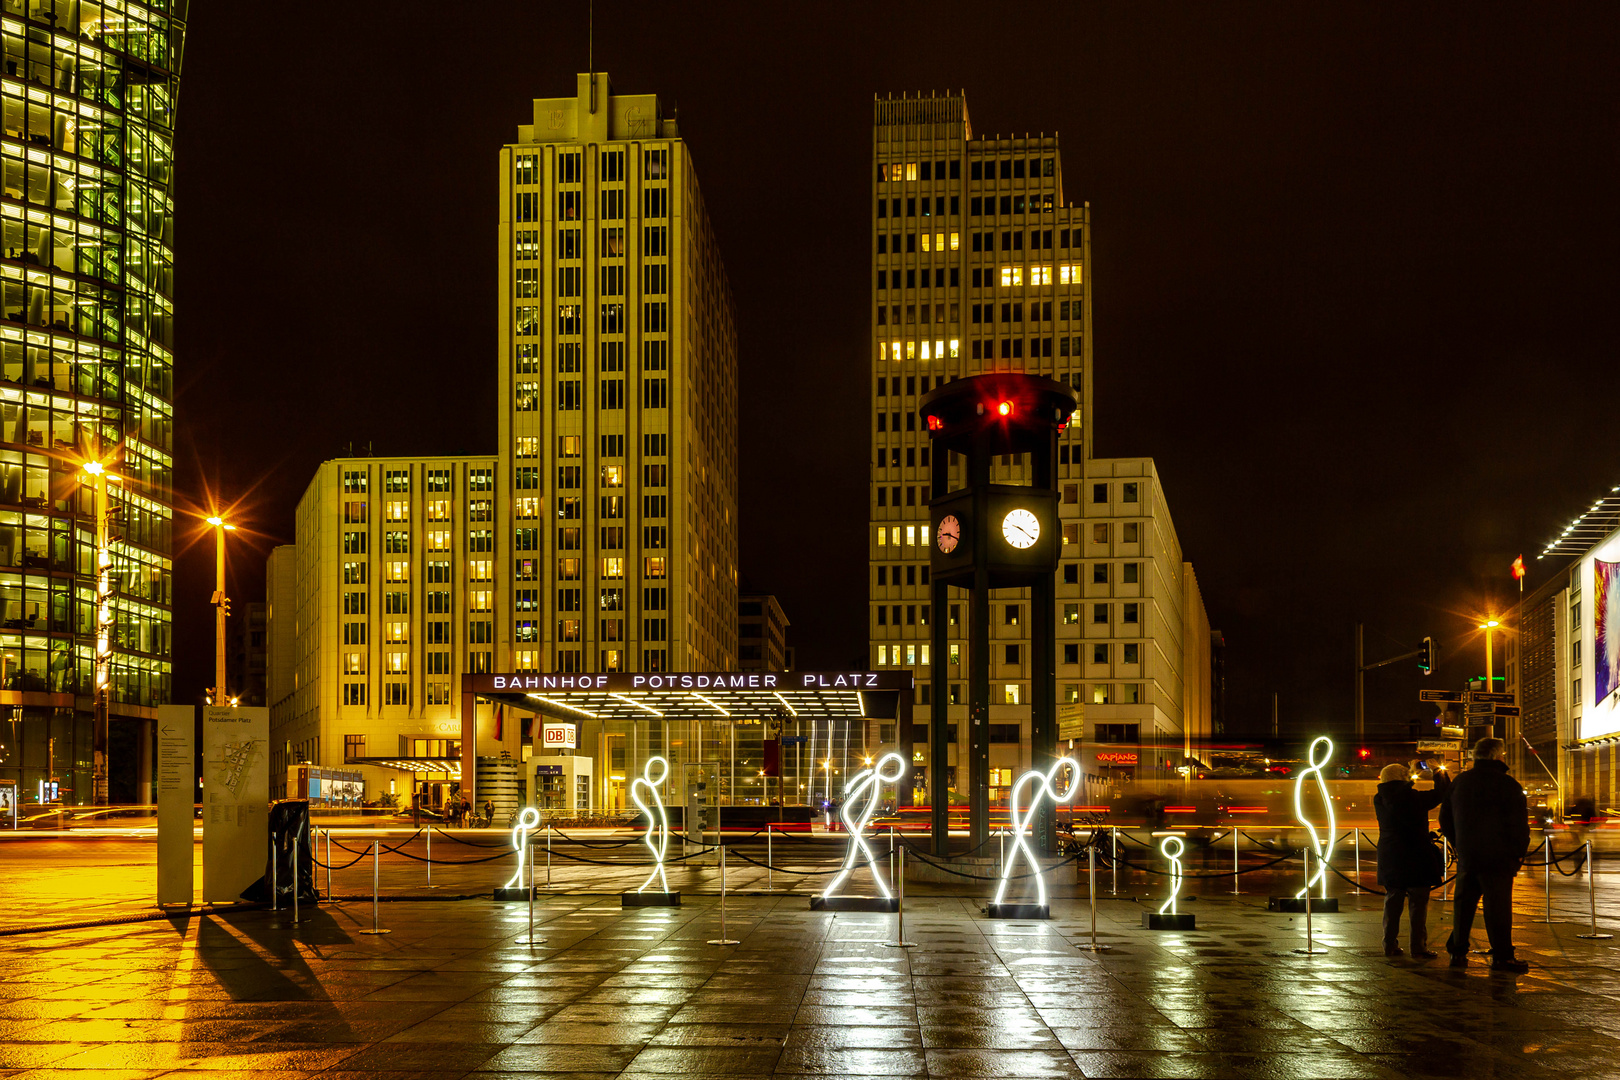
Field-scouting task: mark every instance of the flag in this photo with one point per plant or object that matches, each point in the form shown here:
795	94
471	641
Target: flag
1518	567
498	719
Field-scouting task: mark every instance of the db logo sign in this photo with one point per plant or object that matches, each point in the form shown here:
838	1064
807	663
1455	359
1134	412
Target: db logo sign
557	736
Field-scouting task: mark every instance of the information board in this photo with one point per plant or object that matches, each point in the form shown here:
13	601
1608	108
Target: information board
176	799
236	800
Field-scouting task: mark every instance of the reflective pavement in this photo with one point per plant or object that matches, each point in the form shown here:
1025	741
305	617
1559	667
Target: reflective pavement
610	992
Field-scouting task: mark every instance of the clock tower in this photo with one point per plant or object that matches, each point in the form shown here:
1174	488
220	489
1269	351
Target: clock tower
988	536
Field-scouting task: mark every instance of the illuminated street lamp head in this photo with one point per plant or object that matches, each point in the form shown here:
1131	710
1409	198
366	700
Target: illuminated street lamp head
1489	624
215	521
94	468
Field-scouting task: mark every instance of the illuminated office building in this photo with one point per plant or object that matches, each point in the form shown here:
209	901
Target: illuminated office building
88	97
618	390
980	263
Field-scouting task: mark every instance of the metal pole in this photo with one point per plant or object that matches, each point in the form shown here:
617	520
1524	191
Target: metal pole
1091	876
1234	860
1591	900
722	939
1310	938
275	891
548	855
770	881
1357	890
1445	863
529	851
430	855
295	871
1546	868
900	941
376	885
329	866
1114	829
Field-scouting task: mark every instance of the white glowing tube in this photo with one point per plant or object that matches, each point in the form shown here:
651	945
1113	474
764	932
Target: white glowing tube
527	822
633	702
1043	785
1175	870
661	824
1323	851
867	782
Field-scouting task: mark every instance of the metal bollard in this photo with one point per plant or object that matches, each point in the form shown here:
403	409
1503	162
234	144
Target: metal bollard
295	871
1357	890
1310	948
548	855
1591	899
275	891
1114	830
900	941
1546	867
376	884
329	899
531	939
1445	863
722	939
1234	861
770	880
430	857
1091	875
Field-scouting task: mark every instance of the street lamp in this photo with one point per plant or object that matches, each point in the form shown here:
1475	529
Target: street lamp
222	607
96	475
1489	625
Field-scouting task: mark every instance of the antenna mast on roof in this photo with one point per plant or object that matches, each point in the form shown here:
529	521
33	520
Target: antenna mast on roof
590	36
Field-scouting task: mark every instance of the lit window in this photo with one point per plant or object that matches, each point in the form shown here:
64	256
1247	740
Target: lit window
1069	275
527	507
438	539
481	570
911	350
396	633
656	566
1012	275
399	570
883	655
923	654
1099	693
528	446
354	663
956	348
613	476
883	536
911	655
613	566
399	510
481	600
956	653
956	241
939	350
894	348
927	245
911	536
926	353
1011	693
1040	275
438	510
894	535
911	170
399	663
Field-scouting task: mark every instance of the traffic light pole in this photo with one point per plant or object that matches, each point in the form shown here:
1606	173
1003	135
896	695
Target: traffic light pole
1424	654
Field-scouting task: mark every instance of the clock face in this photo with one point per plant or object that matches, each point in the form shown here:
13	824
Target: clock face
1021	528
950	533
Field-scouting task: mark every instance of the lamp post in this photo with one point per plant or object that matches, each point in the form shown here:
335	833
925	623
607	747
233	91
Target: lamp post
1489	625
96	475
222	607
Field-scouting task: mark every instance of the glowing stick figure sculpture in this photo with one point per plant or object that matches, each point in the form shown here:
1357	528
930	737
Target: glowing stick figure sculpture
658	824
1043	786
856	813
1174	856
1323	851
527	822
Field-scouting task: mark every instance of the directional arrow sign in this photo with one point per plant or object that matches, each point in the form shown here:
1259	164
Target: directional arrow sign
1440	695
1491	698
1481	709
1507	710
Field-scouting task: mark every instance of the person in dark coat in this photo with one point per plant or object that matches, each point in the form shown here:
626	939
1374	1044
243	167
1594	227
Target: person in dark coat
1409	864
1487	820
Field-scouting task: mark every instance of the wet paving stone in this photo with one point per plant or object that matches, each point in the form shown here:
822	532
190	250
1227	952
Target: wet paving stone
806	994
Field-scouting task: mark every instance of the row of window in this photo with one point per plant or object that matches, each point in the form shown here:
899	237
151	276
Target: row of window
570	355
571	243
356	511
568	660
917	614
1012	311
611	280
611	318
399	693
570	167
610	394
435	480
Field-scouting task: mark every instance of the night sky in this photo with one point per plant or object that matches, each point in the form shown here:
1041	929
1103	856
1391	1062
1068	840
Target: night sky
1354	268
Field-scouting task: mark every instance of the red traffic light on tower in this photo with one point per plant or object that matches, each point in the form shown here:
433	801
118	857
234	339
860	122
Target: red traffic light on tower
1364	753
1005	408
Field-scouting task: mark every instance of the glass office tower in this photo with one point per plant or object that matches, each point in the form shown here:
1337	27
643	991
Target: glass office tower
86	371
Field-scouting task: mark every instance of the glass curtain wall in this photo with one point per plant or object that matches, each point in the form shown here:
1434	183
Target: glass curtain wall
87	110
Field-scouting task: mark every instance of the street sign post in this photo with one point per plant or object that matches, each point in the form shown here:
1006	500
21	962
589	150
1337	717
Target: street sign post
1486	697
1440	695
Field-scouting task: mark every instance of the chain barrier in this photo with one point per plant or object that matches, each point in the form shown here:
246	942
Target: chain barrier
1223	874
470	843
390	850
317	860
980	877
784	870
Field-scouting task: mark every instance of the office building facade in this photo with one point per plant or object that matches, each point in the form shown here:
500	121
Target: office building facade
88	96
391	599
618	389
761	633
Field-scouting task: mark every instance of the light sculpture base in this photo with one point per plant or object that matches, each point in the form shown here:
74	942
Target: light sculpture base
1018	911
1152	920
1295	905
854	903
514	894
650	899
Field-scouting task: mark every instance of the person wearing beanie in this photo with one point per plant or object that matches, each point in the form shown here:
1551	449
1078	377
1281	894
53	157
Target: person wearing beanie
1409	864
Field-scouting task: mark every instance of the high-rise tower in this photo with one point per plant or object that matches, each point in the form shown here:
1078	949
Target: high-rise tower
978	265
618	416
86	372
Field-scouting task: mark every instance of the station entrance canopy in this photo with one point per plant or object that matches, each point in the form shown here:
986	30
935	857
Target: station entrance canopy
642	697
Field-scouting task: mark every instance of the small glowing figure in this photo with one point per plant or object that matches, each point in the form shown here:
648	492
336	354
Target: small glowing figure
527	822
1044	786
1323	851
856	812
658	824
1174	855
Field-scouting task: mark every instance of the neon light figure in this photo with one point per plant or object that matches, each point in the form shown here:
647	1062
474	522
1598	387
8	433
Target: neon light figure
1043	785
527	822
1324	853
1175	871
867	782
661	823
